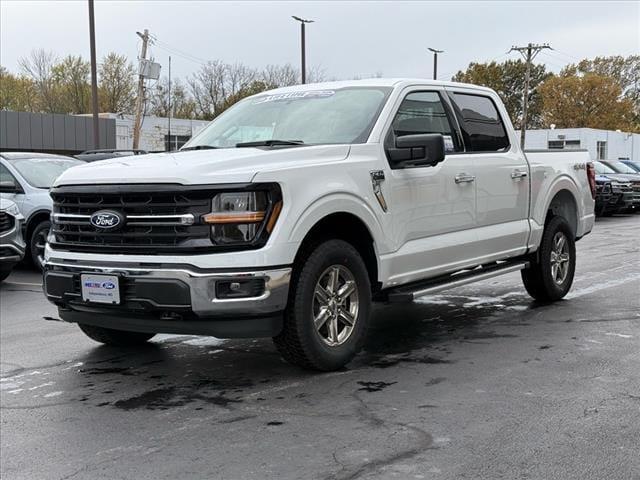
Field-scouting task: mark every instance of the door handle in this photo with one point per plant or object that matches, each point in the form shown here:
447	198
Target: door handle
464	178
518	174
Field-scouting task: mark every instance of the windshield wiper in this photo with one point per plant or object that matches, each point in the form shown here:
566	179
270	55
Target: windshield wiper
197	147
269	143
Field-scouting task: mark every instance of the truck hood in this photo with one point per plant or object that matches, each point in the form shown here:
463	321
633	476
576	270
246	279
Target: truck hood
621	177
199	167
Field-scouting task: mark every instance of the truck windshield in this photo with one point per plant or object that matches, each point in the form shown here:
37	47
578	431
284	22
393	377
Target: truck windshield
602	169
307	117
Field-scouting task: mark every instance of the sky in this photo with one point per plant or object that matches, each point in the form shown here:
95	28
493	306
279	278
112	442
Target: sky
346	40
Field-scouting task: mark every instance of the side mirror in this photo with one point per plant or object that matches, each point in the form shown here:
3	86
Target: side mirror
417	150
7	186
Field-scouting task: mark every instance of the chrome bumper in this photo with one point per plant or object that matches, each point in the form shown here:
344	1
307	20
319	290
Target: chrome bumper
201	284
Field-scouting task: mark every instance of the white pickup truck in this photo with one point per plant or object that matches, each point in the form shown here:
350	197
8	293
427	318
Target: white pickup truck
297	208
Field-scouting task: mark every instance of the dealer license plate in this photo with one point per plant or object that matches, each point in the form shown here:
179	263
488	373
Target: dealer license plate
100	288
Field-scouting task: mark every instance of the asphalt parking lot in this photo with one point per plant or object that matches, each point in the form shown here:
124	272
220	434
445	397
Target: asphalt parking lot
479	382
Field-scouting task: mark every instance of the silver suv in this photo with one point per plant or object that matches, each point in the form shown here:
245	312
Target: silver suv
25	178
11	242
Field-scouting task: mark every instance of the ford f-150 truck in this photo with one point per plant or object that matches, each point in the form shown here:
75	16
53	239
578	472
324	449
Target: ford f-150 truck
297	208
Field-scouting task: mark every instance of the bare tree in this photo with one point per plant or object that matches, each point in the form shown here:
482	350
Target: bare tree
38	66
181	104
275	76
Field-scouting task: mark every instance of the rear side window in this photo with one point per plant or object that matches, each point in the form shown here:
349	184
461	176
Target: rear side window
423	112
482	127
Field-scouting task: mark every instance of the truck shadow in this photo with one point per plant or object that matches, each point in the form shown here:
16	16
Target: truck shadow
175	371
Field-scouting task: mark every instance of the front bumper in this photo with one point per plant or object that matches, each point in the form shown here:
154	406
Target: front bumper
163	298
12	246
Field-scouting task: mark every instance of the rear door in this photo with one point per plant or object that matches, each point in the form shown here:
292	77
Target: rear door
502	174
432	207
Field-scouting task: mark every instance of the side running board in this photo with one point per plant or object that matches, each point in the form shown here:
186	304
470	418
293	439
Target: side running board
409	292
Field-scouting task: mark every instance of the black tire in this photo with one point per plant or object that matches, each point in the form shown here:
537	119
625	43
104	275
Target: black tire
37	241
119	338
300	343
538	279
4	274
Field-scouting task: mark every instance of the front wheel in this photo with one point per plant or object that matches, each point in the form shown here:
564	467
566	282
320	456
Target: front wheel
327	316
119	338
550	275
37	243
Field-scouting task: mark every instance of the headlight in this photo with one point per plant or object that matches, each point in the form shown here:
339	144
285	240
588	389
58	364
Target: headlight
240	217
12	210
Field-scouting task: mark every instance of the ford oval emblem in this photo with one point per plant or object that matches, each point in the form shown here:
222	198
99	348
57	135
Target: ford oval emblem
106	220
108	285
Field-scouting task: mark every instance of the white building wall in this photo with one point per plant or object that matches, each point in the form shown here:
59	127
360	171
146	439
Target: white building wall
153	131
618	144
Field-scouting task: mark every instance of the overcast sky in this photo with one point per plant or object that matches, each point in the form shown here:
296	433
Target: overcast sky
348	39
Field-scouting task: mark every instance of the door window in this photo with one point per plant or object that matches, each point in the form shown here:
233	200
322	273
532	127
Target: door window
423	112
482	127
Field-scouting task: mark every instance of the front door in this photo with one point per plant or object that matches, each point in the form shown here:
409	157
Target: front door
432	207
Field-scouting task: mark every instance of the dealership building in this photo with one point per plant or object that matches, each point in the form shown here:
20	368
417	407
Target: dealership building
601	144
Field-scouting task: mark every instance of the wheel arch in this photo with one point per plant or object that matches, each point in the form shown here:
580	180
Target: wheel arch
34	218
347	226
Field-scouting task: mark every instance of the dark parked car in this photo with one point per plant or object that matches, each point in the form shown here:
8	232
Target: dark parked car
94	155
629	182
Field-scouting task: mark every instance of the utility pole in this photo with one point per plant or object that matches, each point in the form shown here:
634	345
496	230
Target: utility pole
140	99
169	133
94	78
528	53
303	46
435	61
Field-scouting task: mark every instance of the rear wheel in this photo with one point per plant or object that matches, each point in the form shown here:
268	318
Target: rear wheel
118	338
327	316
550	274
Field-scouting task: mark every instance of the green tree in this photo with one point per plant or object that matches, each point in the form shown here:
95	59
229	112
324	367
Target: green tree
17	92
71	78
116	84
624	70
507	79
590	100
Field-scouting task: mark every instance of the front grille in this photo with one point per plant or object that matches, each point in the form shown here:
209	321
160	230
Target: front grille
6	222
156	219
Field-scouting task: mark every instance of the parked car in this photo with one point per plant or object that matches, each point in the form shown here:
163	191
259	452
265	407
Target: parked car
11	242
632	164
104	154
25	179
628	182
296	208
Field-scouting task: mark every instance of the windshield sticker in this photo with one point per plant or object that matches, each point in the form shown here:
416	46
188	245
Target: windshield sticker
294	96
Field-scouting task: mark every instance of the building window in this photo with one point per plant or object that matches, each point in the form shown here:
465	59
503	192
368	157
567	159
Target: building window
562	144
601	150
175	142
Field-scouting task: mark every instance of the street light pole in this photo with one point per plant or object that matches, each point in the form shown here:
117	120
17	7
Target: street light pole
94	77
435	61
303	46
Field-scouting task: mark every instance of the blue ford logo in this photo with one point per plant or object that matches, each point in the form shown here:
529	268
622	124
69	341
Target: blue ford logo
106	219
108	285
